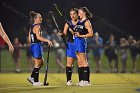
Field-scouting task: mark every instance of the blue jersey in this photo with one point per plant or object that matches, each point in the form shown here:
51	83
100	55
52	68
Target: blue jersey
80	44
70	52
36	46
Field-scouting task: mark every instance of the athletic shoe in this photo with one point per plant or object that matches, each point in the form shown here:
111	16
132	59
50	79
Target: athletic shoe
79	83
86	83
37	84
83	83
69	83
30	79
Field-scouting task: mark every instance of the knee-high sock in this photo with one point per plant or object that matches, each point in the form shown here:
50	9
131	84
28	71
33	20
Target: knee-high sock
36	74
88	74
85	73
80	73
32	75
68	73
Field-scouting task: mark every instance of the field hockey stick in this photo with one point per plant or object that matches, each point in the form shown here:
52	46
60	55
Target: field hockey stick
59	12
47	63
62	36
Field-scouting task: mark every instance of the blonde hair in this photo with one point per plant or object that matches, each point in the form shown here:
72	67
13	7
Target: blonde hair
33	15
75	10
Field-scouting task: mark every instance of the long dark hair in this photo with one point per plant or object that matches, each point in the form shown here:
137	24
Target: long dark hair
85	9
33	15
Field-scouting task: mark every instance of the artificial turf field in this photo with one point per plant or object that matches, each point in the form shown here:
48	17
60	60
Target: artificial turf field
101	83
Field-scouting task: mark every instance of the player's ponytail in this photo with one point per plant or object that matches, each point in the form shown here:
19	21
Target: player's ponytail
88	14
32	16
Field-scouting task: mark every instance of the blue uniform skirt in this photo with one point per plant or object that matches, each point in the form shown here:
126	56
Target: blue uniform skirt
80	44
36	50
70	52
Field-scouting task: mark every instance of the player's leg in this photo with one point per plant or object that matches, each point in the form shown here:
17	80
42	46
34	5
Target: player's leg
71	56
85	66
59	61
80	73
41	62
38	63
134	63
123	59
85	72
70	61
110	64
37	53
98	63
116	64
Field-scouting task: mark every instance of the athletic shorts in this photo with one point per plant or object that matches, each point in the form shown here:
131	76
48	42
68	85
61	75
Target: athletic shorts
36	50
80	45
70	52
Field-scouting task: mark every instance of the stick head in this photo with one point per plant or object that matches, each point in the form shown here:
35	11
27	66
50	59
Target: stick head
46	84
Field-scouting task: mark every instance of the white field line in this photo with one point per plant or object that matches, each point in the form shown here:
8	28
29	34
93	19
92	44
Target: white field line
21	87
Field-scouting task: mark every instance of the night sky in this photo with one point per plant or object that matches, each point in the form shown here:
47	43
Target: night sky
120	17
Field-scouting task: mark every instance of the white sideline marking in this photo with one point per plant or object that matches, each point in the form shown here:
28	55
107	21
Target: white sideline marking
29	87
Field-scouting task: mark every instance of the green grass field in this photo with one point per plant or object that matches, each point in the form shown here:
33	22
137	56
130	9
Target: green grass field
101	83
